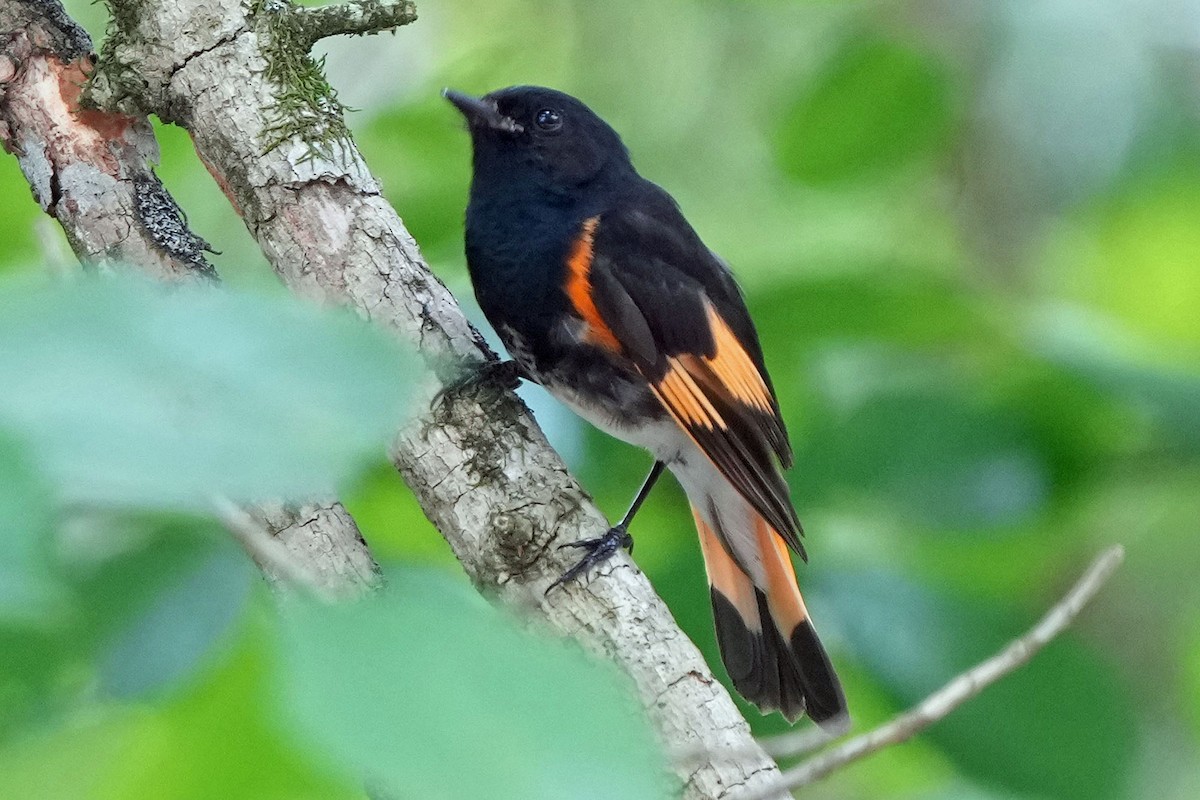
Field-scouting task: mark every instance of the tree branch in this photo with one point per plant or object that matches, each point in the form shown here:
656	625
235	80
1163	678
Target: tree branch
268	552
356	18
326	540
945	700
479	466
90	170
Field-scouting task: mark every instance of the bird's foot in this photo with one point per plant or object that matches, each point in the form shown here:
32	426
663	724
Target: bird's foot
598	550
502	375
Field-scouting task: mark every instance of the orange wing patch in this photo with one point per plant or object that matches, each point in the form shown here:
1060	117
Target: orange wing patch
579	288
690	380
684	398
733	366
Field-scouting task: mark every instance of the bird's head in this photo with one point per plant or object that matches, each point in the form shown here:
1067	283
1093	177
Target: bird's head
554	139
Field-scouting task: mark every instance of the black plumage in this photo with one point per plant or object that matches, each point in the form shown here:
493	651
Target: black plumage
605	294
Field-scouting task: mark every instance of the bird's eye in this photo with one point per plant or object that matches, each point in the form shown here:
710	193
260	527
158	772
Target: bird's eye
548	119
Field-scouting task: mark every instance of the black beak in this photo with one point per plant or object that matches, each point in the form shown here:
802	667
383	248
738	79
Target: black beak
481	113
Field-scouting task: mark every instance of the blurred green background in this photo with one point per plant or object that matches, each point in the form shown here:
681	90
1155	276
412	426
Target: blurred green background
970	235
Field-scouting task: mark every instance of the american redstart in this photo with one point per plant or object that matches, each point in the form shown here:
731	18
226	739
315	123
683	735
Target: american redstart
604	294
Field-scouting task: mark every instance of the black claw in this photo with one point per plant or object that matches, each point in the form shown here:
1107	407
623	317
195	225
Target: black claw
599	550
503	375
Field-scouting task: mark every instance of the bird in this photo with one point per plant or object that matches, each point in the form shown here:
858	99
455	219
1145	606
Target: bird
604	294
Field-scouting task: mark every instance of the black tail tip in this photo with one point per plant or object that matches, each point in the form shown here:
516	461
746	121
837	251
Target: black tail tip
792	676
826	702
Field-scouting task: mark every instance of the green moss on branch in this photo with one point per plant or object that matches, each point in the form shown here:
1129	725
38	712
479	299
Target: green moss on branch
114	83
308	107
356	18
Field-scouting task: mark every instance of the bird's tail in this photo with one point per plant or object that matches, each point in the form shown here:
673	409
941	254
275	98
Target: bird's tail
767	639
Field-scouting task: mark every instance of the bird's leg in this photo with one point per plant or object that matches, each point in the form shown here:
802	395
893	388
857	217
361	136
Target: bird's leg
602	548
504	375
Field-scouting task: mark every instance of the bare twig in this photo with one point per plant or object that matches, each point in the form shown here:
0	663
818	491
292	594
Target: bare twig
958	691
796	743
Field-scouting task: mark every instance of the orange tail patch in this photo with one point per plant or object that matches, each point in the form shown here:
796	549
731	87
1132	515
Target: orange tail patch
768	644
783	593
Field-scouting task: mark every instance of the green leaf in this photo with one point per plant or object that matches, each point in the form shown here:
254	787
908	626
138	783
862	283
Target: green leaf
28	589
877	106
1058	727
436	694
142	602
181	627
136	395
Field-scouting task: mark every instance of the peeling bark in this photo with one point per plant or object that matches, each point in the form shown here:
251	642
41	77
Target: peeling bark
88	169
478	464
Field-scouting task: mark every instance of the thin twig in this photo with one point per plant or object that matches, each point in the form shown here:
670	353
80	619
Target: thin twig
960	689
796	743
268	552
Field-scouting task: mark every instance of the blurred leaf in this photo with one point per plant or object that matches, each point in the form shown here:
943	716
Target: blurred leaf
1140	266
214	740
178	630
876	106
893	301
122	564
32	670
428	690
947	462
131	614
74	761
1058	727
132	394
27	587
1165	397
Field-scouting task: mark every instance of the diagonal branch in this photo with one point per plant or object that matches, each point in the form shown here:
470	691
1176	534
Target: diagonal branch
479	465
958	691
90	170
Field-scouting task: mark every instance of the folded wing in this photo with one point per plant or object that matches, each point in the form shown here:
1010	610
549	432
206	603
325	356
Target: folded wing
648	288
